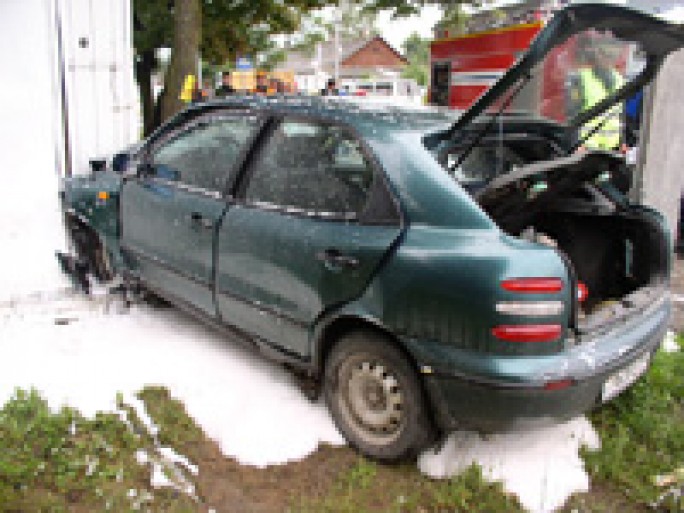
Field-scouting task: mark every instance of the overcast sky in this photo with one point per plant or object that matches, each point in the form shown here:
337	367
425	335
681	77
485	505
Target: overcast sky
396	31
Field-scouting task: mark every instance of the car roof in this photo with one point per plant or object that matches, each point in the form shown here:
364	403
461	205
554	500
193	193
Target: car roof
362	114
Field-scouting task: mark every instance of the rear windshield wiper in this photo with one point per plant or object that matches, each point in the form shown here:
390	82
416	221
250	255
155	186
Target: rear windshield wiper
480	135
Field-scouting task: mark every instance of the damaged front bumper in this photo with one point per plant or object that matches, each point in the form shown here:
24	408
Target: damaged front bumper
497	393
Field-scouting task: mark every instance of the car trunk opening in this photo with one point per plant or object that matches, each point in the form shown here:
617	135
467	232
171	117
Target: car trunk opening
527	175
617	251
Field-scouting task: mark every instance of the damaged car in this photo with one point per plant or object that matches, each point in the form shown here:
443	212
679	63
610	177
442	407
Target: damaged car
424	273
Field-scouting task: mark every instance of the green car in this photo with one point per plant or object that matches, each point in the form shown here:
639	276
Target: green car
424	272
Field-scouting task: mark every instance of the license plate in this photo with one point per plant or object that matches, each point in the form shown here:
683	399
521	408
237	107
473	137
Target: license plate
622	379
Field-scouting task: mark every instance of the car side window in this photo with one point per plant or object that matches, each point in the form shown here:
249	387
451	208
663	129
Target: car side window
202	155
313	167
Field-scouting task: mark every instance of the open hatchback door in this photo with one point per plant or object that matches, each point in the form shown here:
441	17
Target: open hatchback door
521	151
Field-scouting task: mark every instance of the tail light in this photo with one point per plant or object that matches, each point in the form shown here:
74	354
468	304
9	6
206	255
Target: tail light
528	332
533	285
530	308
582	292
558	385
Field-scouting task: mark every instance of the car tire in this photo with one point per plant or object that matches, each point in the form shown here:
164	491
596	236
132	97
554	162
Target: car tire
375	398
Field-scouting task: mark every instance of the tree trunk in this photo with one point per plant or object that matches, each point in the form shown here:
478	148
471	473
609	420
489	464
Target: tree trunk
185	51
143	71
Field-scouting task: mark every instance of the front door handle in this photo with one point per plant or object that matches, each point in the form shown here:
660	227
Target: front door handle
199	220
334	259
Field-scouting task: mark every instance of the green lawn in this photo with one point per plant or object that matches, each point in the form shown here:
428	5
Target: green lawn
60	461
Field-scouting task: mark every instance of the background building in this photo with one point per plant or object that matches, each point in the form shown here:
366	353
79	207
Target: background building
368	59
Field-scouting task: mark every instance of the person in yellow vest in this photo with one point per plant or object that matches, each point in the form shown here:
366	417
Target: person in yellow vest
187	93
597	78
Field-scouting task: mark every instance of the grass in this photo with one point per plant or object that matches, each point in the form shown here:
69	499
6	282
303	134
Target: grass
59	461
176	428
642	437
362	486
369	487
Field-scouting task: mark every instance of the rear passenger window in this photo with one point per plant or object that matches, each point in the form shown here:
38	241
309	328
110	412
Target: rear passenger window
202	155
311	167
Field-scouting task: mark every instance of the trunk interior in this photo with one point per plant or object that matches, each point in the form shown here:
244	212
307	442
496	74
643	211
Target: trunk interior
620	258
534	190
618	252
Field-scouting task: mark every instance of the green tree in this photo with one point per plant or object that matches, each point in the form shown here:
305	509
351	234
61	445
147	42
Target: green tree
417	52
152	29
227	29
186	41
353	20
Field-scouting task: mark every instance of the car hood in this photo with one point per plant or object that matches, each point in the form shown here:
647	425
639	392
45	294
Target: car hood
655	37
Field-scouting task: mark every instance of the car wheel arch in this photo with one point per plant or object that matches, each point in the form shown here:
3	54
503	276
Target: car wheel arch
339	326
74	222
342	327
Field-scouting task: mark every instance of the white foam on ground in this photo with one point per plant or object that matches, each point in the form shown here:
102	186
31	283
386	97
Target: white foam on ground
250	406
541	466
669	344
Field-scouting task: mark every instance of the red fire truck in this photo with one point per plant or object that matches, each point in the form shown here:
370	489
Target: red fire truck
463	67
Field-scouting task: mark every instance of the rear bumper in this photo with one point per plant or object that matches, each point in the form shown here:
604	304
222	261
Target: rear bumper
491	393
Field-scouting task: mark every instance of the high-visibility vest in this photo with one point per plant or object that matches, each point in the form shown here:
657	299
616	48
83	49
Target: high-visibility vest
188	88
593	91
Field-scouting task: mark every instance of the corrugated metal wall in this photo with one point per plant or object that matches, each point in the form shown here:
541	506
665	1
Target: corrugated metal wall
97	67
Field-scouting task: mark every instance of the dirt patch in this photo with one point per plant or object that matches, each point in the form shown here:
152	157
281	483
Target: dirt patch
332	479
229	487
603	498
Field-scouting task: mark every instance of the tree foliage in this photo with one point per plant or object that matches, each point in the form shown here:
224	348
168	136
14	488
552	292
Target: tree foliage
186	40
228	29
351	20
401	8
417	52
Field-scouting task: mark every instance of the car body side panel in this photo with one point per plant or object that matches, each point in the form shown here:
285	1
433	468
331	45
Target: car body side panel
442	285
271	280
428	195
169	234
95	202
501	393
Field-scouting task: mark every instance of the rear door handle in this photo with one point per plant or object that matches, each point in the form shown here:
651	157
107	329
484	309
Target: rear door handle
333	258
199	220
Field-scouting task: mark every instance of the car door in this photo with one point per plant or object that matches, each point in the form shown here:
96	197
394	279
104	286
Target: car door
171	210
309	226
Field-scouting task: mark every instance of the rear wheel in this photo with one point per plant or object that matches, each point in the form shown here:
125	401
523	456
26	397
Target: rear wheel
375	397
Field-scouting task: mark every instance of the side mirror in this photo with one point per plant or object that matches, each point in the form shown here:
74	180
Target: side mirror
120	162
97	165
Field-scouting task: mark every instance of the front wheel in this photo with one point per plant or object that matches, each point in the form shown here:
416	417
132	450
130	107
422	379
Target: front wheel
375	398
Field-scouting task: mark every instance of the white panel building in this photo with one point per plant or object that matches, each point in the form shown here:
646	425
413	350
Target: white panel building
68	89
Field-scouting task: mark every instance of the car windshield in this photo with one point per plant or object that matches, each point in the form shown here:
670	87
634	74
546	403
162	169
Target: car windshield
574	76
